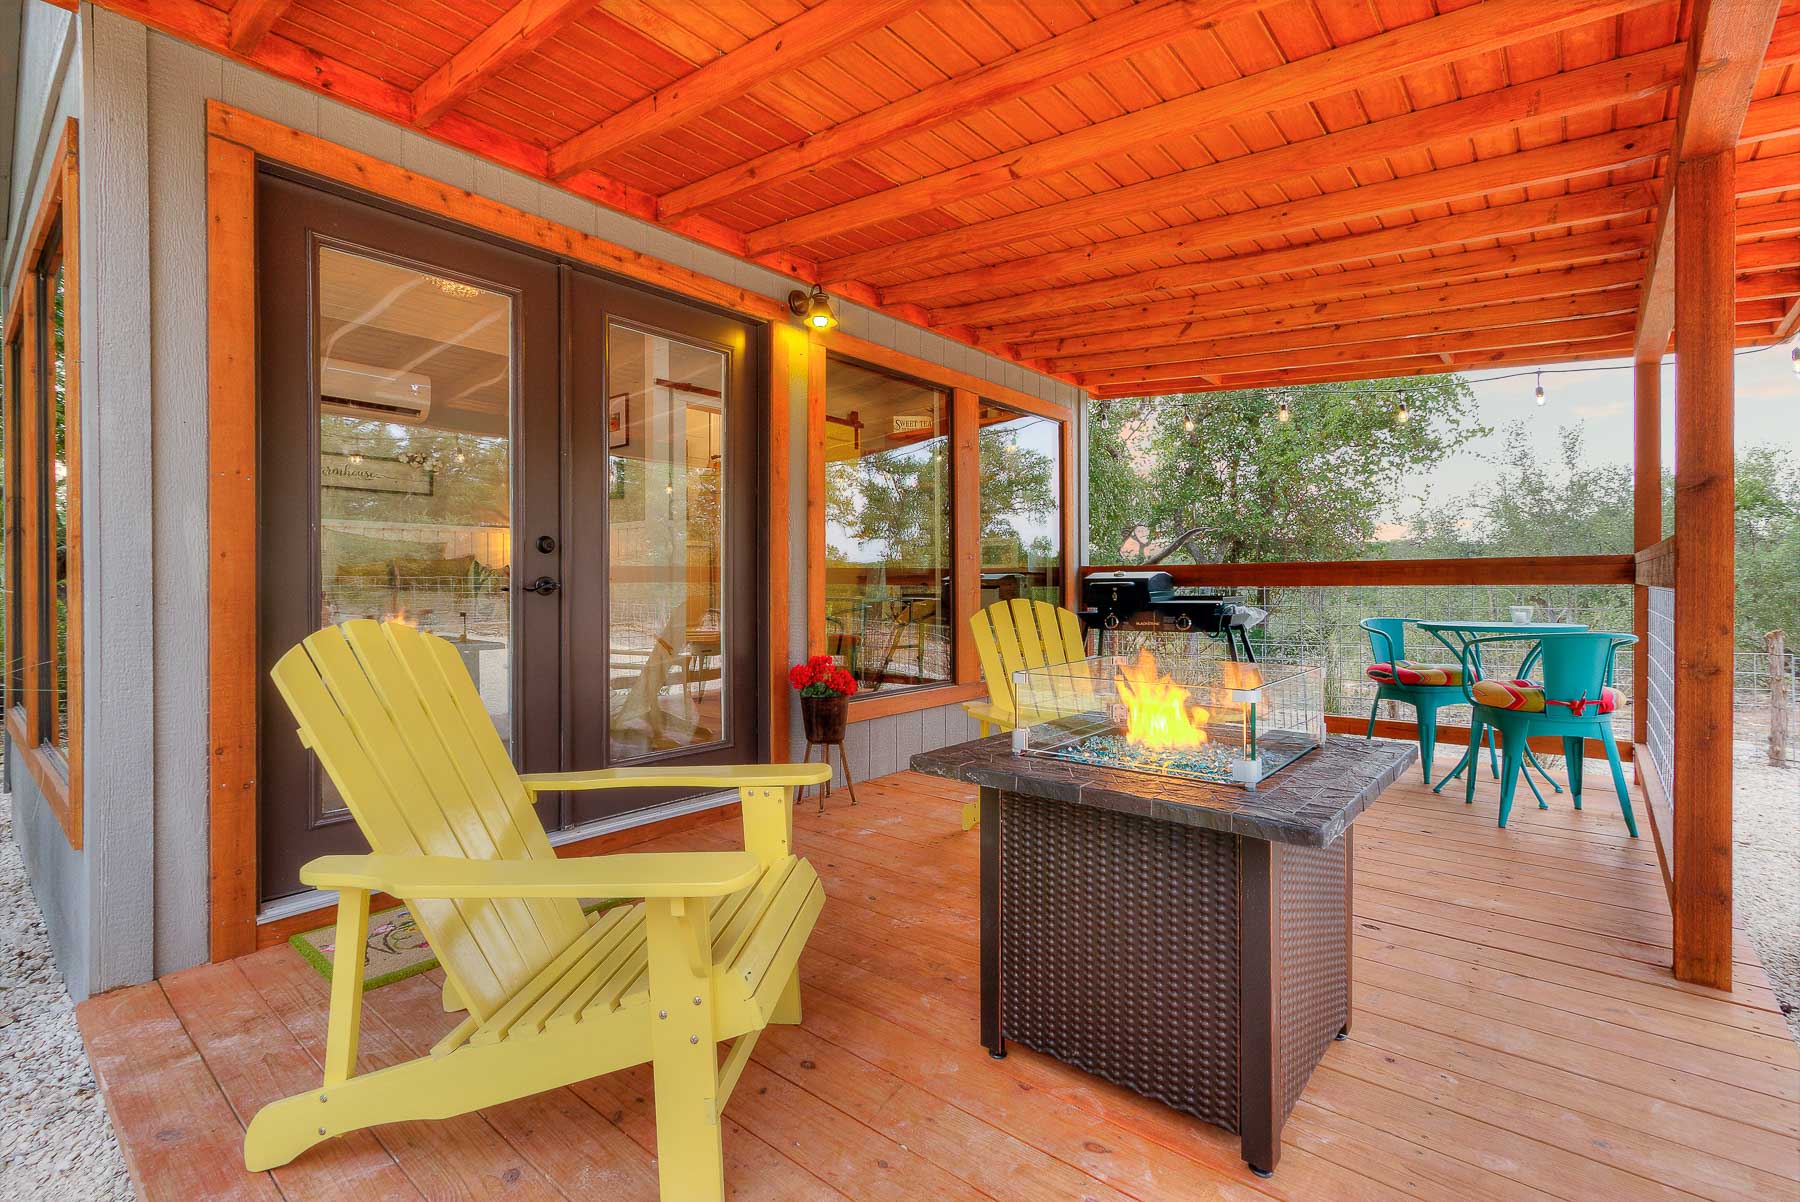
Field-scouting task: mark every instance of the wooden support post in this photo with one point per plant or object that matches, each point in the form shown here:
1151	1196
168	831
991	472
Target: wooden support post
1646	526
1704	592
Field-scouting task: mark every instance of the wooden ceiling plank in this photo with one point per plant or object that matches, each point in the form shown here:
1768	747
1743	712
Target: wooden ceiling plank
1080	50
1027	315
814	33
1725	54
1415	323
1602	85
1469	31
1469	181
519	31
251	20
1357	348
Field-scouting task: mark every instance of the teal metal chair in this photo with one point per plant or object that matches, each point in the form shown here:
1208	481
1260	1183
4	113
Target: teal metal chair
1575	702
1424	686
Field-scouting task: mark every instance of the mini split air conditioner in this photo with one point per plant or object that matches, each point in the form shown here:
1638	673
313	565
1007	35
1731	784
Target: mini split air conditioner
359	390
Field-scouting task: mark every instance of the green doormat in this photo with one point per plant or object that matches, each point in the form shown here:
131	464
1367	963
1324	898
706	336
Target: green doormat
396	948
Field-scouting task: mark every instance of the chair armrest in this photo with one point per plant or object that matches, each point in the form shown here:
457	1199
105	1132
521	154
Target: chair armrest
702	776
644	874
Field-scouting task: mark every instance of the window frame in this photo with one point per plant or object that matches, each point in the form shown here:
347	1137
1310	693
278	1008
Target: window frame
966	393
33	669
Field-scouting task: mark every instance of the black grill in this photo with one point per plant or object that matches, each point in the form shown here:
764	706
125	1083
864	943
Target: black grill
1147	600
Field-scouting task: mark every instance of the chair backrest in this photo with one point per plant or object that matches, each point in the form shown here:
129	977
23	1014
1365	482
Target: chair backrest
1016	634
1578	665
398	724
1387	639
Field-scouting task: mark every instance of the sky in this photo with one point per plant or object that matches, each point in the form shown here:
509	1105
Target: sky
1768	411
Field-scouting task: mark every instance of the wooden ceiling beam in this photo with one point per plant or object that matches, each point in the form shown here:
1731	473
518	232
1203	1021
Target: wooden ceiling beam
1044	313
814	33
524	27
1300	314
1764	285
1080	50
1468	181
1729	42
1415	324
1600	86
251	20
1466	32
1353	351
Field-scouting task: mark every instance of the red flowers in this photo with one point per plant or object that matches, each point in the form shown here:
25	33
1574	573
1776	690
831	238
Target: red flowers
820	676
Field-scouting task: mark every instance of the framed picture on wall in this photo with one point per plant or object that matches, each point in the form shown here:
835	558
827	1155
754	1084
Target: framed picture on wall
618	421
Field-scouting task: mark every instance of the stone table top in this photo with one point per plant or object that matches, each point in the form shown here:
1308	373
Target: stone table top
1312	801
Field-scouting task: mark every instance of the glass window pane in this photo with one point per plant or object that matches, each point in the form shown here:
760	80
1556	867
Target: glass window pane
888	604
665	521
1021	505
59	502
415	374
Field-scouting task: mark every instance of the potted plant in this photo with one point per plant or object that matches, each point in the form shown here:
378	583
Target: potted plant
825	691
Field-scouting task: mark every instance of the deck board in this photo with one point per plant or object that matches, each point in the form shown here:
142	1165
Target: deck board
1517	1036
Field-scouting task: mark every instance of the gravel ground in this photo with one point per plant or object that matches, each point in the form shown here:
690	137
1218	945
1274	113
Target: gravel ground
1765	816
56	1142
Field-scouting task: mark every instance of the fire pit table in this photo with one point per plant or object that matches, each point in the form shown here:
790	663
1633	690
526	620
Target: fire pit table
1186	939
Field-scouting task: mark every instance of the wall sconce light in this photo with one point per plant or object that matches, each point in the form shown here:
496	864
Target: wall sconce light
813	308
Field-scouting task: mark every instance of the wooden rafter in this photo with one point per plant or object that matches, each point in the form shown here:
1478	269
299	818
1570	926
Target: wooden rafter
1303	314
524	27
1601	85
1547	164
1061	58
251	19
1461	34
817	31
1725	53
1149	359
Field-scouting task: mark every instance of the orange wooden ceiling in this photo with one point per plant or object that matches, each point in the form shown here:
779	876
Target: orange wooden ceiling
1167	195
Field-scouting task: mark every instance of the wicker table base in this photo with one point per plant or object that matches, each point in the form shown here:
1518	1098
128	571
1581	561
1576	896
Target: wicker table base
1204	969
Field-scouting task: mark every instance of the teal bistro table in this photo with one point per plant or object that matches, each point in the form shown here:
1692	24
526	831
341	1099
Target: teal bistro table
1457	636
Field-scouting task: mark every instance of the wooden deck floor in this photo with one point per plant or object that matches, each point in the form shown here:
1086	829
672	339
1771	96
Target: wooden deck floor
1516	1036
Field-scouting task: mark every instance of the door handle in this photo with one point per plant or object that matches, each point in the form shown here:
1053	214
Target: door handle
543	586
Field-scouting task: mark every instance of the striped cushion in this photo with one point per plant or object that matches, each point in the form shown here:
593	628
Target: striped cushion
1415	673
1526	697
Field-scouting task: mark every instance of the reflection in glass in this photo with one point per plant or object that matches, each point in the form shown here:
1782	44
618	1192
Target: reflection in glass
57	433
888	606
665	513
415	375
1021	506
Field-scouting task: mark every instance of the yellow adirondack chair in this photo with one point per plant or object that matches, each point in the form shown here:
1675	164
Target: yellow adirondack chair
553	995
1011	636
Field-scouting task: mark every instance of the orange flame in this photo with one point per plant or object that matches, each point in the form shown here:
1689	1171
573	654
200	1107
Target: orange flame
400	617
1156	710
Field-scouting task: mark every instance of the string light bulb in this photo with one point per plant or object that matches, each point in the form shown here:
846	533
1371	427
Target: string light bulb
1537	394
355	457
1187	423
1402	415
1282	413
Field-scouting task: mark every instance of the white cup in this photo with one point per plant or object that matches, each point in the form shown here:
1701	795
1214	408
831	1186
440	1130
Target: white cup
1520	613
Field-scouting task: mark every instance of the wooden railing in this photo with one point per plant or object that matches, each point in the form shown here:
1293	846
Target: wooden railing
1523	569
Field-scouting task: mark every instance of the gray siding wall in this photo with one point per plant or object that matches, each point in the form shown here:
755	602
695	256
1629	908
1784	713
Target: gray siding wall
49	92
151	214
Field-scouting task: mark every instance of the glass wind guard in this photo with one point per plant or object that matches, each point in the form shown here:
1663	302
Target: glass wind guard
1193	717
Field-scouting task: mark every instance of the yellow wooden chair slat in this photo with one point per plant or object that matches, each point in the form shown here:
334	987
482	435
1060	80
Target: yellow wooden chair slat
554	995
1012	636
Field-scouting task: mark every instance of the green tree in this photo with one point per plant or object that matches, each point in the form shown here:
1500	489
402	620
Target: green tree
1254	488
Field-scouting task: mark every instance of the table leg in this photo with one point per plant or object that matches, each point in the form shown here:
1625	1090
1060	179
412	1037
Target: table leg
1259	985
992	1037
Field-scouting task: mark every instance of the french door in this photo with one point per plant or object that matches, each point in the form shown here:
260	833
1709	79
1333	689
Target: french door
551	469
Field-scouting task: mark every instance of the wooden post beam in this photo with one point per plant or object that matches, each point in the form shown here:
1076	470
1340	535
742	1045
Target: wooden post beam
520	30
1725	52
1704	566
250	20
793	44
